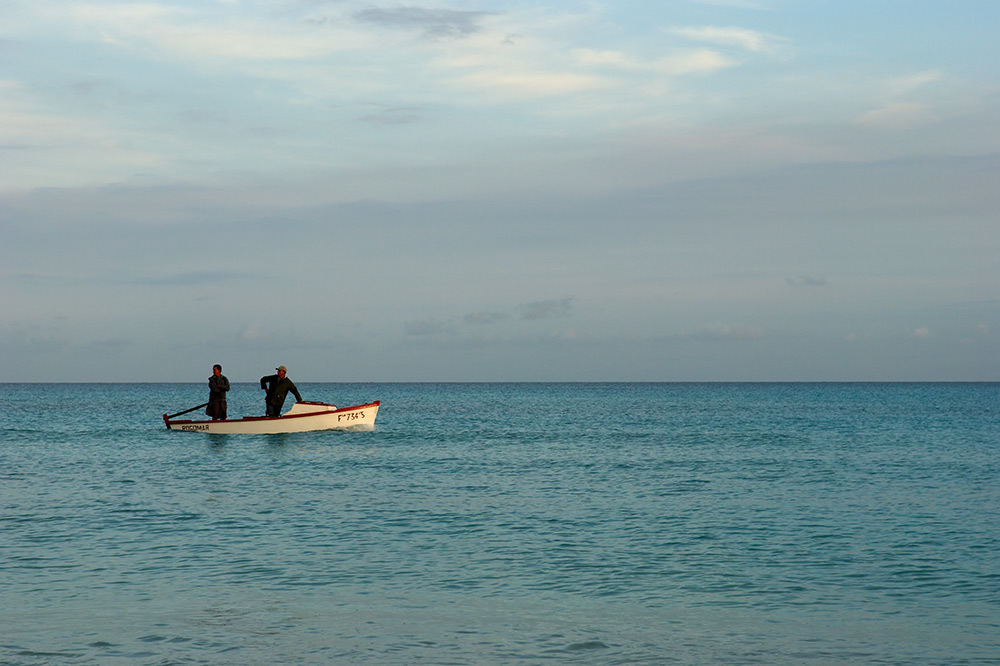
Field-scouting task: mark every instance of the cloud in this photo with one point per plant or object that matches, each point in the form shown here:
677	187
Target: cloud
251	333
485	318
400	115
531	84
204	36
897	112
698	61
587	57
748	40
806	281
428	328
195	278
545	309
907	84
89	86
902	115
432	23
921	333
533	311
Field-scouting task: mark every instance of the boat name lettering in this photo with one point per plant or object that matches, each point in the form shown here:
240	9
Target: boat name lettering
194	427
351	416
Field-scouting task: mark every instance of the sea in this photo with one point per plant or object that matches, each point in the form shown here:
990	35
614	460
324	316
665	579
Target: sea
577	523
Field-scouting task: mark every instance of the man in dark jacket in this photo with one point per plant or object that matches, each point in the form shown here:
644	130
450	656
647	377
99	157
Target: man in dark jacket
218	385
277	387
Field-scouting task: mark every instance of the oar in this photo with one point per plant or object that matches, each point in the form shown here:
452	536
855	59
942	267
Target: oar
167	418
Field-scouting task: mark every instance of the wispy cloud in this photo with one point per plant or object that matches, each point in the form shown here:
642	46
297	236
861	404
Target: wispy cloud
428	328
903	108
899	115
741	38
530	84
485	318
159	29
806	281
389	116
546	309
197	278
906	84
431	23
692	61
700	61
526	312
251	333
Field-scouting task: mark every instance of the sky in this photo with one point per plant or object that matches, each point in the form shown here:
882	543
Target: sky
476	190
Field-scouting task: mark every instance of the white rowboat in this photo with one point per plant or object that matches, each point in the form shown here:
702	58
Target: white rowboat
302	417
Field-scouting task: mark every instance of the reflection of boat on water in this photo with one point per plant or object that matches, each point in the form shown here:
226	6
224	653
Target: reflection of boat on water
302	417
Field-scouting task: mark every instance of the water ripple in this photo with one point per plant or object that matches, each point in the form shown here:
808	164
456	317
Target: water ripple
496	524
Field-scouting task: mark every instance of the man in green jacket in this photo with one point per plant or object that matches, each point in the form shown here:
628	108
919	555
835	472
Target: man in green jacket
277	387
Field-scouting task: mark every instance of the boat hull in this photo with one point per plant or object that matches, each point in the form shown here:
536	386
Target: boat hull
302	417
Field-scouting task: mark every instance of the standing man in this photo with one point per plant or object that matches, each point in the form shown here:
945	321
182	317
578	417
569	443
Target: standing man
277	387
218	385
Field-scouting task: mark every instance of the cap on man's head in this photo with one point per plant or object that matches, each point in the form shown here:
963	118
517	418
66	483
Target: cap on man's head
281	368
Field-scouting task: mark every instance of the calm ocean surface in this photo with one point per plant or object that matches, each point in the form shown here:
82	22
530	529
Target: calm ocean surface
525	524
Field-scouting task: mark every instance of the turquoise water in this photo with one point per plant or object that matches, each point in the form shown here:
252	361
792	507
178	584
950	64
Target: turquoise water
506	524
